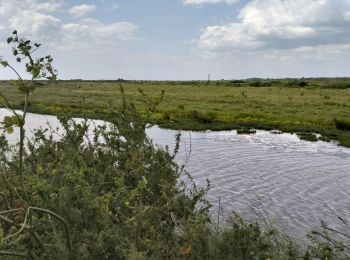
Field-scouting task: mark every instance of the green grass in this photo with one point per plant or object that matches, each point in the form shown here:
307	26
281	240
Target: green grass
303	106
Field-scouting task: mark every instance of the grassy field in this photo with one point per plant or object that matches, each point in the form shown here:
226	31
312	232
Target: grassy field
303	106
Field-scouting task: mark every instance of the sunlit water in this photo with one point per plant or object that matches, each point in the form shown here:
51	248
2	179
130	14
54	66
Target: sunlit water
292	183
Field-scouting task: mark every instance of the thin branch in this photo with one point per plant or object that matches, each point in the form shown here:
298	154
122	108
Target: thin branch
52	130
333	241
15	71
8	106
25	106
21	146
34	50
11	211
10	222
63	221
21	229
13	254
336	231
188	155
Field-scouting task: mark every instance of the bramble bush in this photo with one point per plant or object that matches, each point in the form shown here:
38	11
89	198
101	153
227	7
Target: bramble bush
107	192
114	196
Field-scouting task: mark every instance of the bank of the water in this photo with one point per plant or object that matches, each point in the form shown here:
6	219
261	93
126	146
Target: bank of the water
294	183
305	132
316	106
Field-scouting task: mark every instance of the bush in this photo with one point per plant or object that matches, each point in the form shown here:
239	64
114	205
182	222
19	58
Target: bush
112	196
119	193
297	83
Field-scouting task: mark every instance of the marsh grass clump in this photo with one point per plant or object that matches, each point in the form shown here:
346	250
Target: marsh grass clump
244	94
166	116
342	124
324	139
307	136
246	131
201	117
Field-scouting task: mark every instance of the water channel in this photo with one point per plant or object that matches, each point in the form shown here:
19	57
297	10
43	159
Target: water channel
293	183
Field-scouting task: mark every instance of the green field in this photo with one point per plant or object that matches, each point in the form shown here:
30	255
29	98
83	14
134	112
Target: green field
303	106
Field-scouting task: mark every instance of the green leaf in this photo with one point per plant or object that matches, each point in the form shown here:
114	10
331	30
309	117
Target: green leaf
9	129
36	71
9	122
130	220
4	63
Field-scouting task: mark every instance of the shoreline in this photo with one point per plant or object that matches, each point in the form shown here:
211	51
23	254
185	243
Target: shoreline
306	133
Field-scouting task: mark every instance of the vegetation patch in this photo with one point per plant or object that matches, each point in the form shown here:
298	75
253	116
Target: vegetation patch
308	137
342	124
246	131
202	118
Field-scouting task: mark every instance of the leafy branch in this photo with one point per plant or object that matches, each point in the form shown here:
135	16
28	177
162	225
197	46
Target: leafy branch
39	69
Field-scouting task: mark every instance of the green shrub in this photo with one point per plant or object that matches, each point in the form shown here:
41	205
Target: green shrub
112	196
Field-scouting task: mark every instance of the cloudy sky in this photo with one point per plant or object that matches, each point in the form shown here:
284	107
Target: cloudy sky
184	39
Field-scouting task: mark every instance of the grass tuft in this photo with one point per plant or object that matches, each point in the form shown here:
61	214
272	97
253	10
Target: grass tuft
342	124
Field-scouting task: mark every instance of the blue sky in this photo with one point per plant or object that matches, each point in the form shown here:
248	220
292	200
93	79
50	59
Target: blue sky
184	39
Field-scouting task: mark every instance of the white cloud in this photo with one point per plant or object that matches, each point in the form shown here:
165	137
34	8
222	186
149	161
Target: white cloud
324	53
50	6
37	24
347	15
6	7
201	2
79	11
114	7
90	33
276	24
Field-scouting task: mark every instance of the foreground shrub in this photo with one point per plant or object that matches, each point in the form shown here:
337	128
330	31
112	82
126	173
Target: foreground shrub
110	195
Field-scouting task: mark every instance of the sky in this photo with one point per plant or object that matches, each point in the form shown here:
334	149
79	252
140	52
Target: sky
183	39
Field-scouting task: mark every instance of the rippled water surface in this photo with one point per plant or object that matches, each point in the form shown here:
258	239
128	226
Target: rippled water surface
298	183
